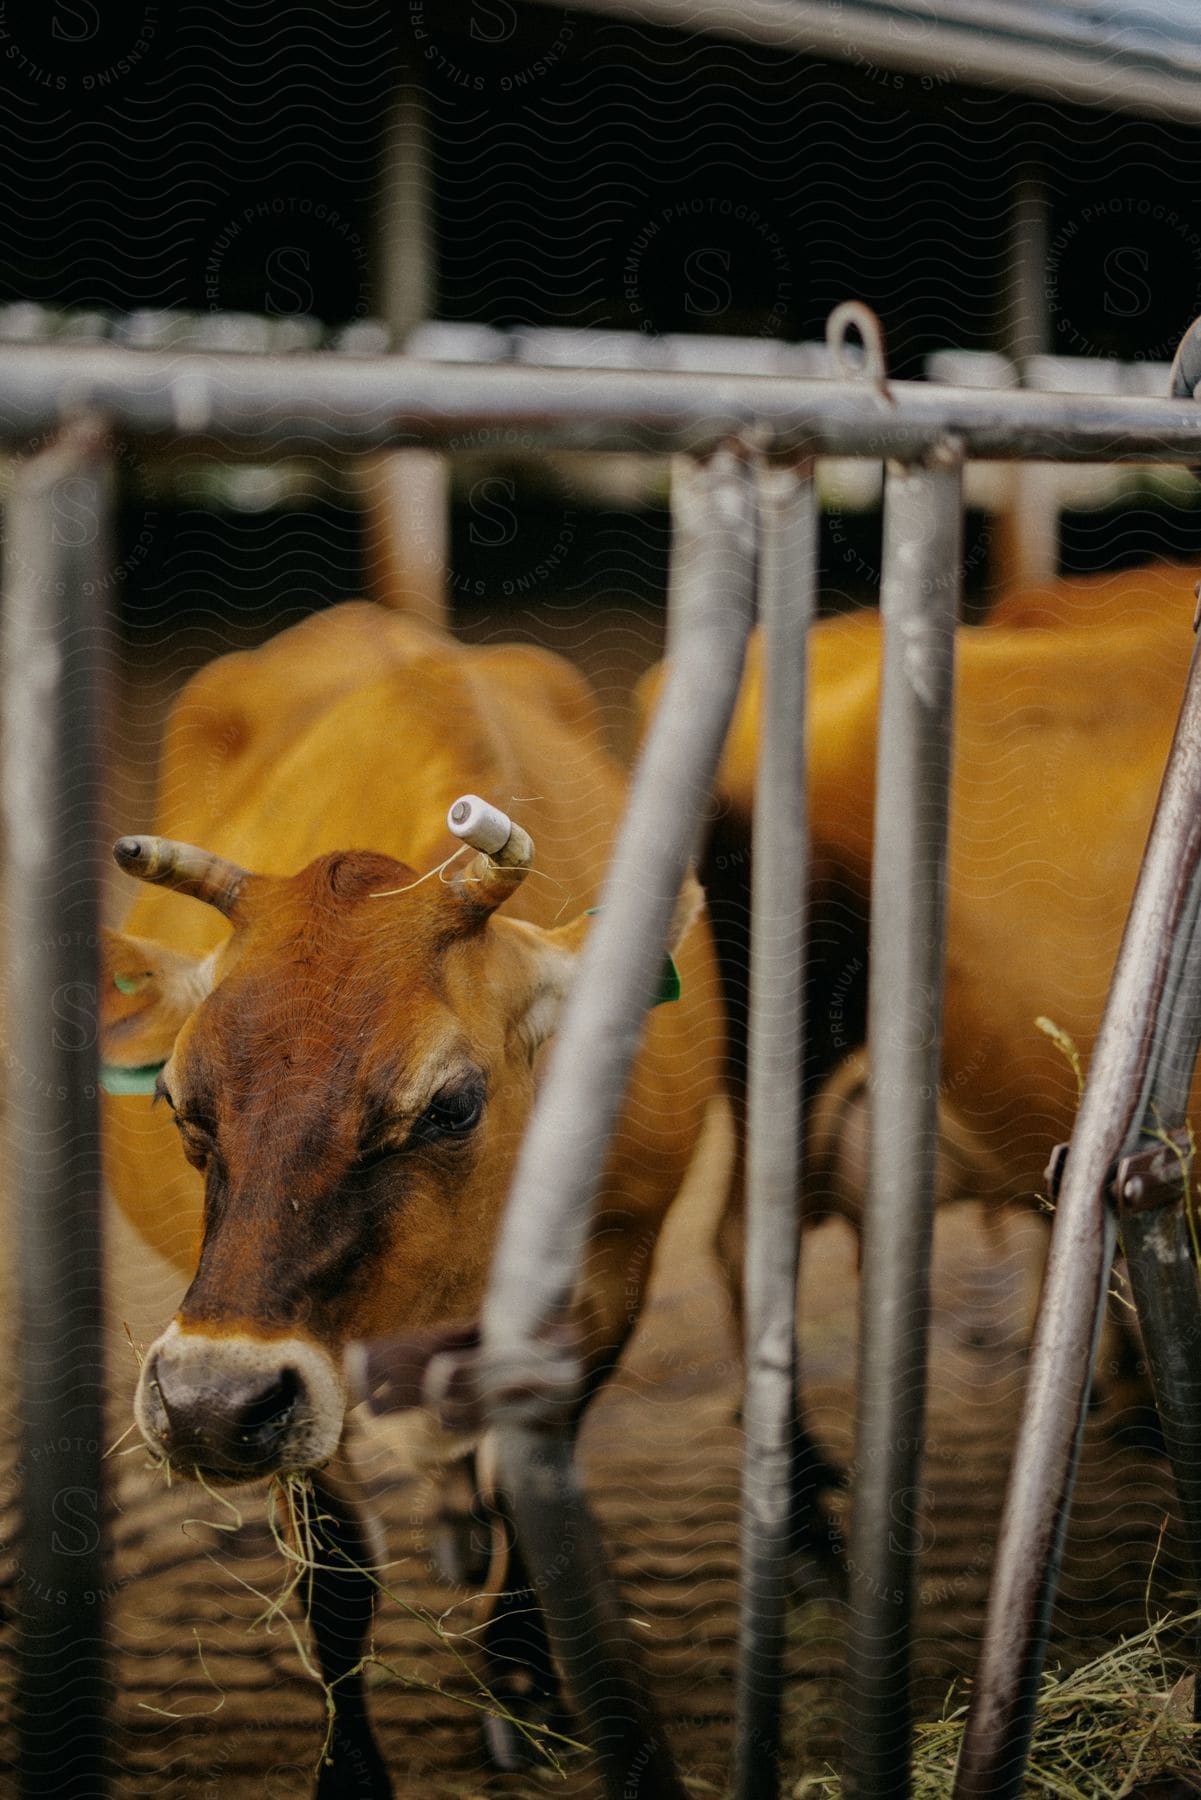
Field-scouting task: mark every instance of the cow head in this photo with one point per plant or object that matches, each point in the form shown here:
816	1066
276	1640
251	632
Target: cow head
351	1073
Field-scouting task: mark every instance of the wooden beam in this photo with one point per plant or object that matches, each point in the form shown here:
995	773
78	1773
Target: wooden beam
405	493
406	506
1027	522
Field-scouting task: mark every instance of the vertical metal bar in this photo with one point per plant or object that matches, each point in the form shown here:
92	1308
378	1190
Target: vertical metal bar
1137	1050
787	599
588	1628
1158	1244
55	563
1163	1280
531	1368
919	599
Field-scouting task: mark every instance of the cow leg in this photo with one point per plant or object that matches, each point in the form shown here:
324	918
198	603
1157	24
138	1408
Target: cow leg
1122	1390
518	1664
340	1602
818	1552
464	1532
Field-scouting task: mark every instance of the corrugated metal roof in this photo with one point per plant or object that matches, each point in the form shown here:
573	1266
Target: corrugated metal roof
1119	55
1150	31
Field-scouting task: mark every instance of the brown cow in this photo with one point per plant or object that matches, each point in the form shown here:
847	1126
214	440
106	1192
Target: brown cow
1065	705
345	1041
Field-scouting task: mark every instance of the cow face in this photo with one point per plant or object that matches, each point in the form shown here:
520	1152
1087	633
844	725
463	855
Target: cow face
351	1074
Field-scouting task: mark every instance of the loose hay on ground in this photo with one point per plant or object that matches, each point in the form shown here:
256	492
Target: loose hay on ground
1099	1731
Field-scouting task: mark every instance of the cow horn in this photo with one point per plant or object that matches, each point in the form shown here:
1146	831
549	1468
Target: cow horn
168	863
505	851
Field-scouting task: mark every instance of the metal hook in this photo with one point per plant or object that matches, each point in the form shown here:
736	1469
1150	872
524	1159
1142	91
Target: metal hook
872	364
1184	383
1185	378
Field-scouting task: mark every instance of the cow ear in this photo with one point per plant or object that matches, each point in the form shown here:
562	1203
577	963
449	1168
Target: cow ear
147	990
555	954
690	903
547	960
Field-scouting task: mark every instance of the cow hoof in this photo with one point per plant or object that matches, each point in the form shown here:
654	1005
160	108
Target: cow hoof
463	1541
1134	1422
821	1475
817	1562
509	1749
352	1769
462	1548
817	1567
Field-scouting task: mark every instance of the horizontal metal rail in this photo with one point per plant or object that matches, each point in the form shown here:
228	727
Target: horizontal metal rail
298	404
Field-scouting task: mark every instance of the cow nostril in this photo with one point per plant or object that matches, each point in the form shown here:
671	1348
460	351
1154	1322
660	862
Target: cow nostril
157	1416
236	1416
269	1410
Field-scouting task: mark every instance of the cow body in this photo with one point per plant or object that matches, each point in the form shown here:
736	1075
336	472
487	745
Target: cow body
350	1039
358	729
1065	704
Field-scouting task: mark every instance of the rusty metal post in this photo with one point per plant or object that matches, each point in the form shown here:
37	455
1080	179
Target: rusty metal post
1151	1189
919	600
55	564
1157	1244
532	1371
1148	1036
787	604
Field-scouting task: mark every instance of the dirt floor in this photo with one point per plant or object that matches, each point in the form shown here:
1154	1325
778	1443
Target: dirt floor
207	1703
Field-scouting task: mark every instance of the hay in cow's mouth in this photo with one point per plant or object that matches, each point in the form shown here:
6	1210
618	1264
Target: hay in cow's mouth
293	1494
293	1521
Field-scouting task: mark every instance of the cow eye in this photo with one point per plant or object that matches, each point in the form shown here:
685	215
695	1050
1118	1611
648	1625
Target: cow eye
195	1140
451	1114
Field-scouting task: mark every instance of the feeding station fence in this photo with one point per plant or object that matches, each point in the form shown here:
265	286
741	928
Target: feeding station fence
744	550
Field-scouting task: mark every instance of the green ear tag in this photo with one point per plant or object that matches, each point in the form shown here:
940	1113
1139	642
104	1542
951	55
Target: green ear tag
670	986
115	1080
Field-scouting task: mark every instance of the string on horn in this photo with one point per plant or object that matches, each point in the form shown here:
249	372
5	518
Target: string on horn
505	852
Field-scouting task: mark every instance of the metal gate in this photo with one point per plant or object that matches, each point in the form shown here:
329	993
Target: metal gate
744	548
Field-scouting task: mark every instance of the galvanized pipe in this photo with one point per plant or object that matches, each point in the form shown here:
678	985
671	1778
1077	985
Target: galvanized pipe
1157	1241
919	601
1163	1279
252	404
564	1552
1148	1022
532	1369
53	654
787	606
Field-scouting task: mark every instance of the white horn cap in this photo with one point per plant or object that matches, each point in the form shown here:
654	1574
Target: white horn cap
487	829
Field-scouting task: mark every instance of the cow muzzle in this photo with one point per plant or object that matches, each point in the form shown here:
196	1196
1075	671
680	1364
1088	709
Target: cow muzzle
235	1408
